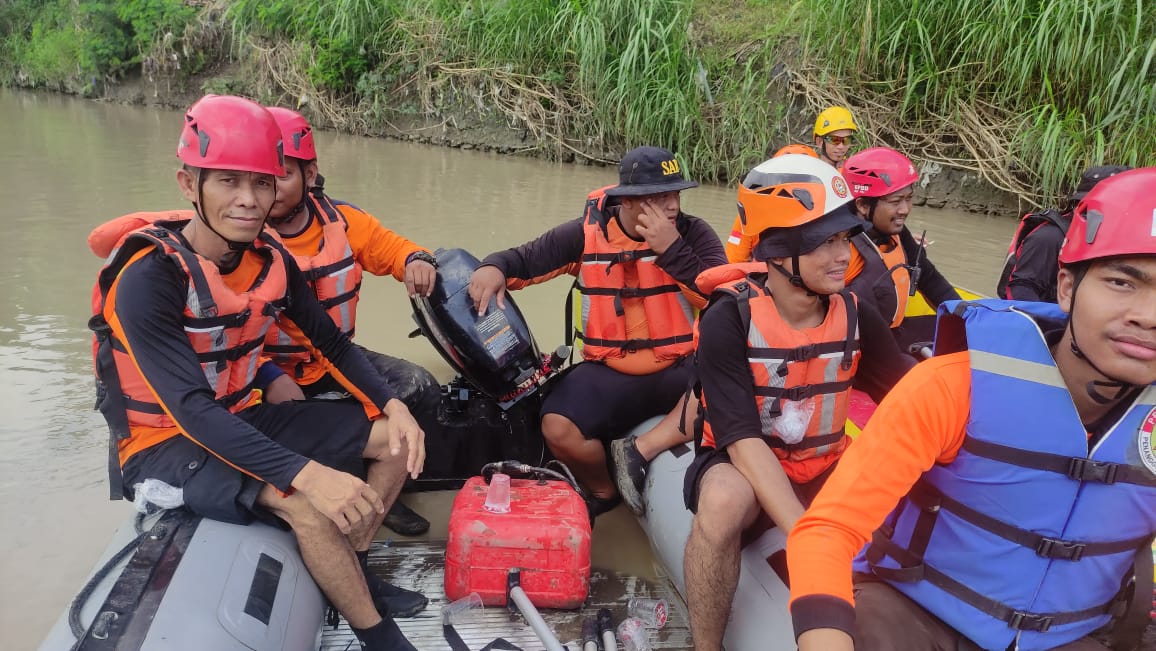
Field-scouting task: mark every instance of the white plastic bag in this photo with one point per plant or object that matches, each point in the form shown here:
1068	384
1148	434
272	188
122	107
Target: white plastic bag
791	425
157	493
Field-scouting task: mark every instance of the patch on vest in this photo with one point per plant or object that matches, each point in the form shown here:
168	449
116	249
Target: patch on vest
1146	443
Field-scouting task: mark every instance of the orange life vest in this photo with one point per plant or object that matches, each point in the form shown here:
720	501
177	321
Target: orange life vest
335	277
802	377
226	329
616	268
886	277
104	239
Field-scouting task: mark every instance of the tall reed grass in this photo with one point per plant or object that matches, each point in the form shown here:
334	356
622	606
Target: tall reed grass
593	76
1033	90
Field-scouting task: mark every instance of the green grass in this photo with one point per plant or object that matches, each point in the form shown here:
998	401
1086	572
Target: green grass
1052	86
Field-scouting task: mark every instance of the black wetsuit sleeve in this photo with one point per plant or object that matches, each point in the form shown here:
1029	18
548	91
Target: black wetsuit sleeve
728	387
697	250
326	337
150	298
555	249
881	363
934	286
1034	276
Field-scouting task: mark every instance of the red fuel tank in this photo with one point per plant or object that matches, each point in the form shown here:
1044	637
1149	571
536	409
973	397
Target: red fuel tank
546	534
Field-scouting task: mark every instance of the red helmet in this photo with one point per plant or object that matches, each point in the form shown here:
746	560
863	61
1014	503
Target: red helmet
878	171
231	133
1118	217
296	134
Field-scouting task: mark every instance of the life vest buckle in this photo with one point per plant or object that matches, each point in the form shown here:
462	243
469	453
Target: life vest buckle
1022	621
1082	469
1061	549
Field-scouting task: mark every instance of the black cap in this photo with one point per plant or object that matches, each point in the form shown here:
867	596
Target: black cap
1092	176
802	239
649	170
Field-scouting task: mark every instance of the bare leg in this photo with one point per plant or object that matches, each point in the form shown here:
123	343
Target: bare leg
386	474
327	555
726	506
586	458
665	435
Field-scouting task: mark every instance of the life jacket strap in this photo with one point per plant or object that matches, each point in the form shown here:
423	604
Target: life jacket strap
1078	468
928	497
914	569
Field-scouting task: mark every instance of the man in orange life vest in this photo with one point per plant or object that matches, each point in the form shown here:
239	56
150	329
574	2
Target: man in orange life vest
1029	274
636	255
779	347
334	242
184	307
1006	485
887	263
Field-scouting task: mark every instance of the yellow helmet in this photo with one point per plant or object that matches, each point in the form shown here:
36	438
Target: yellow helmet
834	119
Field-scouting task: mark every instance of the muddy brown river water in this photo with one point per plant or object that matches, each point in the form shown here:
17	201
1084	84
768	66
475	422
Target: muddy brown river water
70	164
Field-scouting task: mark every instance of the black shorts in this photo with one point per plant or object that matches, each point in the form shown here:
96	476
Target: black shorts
708	458
606	404
332	433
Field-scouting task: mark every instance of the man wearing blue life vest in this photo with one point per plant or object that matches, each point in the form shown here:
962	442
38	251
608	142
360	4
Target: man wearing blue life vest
779	348
636	256
999	495
181	316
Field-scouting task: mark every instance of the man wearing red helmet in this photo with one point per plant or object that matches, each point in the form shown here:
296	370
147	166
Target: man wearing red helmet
1004	487
182	311
888	265
779	348
334	242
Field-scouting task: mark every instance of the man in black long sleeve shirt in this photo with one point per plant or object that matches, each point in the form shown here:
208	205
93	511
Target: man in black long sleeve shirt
184	308
1033	256
636	256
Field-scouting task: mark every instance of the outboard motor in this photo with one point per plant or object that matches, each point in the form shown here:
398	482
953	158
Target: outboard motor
495	353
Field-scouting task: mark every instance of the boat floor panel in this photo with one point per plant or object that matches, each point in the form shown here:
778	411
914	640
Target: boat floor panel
418	565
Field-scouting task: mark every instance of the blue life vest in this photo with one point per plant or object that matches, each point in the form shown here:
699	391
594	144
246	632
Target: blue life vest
1025	539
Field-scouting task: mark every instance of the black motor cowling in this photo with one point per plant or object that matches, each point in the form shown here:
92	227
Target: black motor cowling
496	353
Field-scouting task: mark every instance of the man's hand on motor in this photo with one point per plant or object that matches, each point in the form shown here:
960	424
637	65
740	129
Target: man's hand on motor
343	498
656	228
420	277
486	283
400	425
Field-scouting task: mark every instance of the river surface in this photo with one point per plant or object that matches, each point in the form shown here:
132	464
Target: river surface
69	165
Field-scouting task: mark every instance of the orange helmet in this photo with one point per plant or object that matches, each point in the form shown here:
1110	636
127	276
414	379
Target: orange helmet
794	202
796	148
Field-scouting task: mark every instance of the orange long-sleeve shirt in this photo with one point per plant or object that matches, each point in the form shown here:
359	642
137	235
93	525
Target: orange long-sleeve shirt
919	424
740	247
377	249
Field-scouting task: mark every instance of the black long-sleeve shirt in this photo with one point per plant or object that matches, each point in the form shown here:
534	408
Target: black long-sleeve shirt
728	384
559	250
935	288
150	299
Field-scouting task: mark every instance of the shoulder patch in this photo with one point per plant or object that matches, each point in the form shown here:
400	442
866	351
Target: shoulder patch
1145	442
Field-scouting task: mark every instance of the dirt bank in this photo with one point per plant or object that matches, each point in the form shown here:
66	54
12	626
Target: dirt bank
461	123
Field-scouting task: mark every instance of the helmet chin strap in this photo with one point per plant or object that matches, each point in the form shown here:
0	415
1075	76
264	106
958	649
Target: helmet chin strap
794	278
1093	388
275	221
234	246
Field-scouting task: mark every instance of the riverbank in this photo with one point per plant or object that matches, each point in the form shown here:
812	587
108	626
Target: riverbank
721	82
